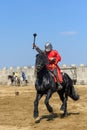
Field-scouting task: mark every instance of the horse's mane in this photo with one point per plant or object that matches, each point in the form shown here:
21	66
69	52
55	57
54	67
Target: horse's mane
42	57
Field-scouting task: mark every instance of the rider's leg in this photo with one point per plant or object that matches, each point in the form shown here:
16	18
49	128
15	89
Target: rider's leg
57	78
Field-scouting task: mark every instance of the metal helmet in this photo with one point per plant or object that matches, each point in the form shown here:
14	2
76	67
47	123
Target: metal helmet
48	47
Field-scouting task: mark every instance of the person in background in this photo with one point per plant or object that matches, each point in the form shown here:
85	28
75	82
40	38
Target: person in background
54	58
23	76
15	75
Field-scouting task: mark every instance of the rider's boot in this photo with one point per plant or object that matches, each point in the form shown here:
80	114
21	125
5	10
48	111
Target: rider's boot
59	86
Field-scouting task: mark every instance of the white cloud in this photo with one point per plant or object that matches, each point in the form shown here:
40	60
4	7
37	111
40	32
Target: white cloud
68	33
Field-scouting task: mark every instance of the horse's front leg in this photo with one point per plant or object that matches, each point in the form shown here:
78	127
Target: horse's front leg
36	102
49	108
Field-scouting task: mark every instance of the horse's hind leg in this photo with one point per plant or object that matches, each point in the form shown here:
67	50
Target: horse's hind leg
49	108
36	102
61	96
64	98
65	105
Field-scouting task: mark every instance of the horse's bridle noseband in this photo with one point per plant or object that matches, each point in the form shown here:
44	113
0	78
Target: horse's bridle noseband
39	67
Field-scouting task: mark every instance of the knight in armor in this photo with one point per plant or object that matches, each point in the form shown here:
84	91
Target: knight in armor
53	59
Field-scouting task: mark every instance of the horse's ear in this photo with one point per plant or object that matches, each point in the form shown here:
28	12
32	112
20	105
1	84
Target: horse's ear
37	55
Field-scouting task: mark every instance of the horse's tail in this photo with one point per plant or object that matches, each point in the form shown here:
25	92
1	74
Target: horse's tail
73	94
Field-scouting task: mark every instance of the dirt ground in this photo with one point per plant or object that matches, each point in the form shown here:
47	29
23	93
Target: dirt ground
16	111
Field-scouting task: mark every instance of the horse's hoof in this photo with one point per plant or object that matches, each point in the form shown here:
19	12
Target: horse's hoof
51	110
64	115
37	120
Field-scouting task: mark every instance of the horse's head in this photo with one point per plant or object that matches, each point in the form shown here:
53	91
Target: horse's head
9	76
41	61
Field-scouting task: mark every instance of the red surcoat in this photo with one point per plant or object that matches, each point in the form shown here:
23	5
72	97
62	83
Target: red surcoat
51	66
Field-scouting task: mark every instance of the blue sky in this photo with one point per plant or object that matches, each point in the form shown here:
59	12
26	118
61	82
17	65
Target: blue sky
61	22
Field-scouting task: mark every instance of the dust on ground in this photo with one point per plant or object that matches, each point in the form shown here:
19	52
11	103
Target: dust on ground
16	111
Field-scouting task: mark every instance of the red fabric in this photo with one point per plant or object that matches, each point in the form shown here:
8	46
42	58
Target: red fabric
51	66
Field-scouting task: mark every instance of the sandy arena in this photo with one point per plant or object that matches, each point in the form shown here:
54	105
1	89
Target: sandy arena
16	111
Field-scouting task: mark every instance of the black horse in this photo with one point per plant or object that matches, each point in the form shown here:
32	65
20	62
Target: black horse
11	78
45	84
14	81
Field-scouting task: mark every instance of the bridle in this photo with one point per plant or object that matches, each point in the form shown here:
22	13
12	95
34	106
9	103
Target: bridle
39	67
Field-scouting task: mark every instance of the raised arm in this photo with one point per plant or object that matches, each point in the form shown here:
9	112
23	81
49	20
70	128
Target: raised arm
37	48
34	45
